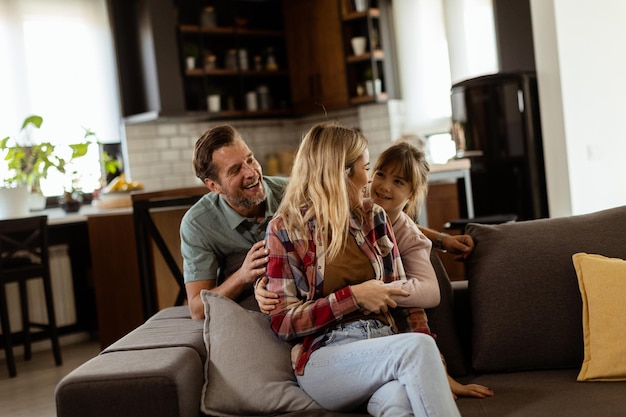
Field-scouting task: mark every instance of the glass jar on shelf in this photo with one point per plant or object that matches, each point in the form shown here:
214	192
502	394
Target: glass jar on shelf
230	62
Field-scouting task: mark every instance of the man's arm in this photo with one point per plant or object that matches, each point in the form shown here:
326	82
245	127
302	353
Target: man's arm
253	267
193	288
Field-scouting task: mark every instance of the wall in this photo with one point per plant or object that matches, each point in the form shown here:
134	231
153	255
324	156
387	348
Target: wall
580	72
158	153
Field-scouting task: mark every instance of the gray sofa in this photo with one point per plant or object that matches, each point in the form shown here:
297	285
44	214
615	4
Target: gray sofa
514	326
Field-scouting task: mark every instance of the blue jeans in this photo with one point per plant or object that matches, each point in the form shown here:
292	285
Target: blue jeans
396	374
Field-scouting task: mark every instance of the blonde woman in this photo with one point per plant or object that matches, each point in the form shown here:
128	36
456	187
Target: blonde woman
332	260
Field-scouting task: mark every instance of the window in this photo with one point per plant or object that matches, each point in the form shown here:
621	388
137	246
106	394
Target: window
58	62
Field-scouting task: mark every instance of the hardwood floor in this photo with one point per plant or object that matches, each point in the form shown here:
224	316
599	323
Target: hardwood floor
31	392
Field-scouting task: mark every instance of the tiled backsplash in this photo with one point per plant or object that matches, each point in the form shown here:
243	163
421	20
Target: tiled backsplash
159	153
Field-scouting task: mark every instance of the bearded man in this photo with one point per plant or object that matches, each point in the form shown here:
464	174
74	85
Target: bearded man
222	234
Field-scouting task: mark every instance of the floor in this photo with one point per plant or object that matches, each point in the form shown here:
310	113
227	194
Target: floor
31	392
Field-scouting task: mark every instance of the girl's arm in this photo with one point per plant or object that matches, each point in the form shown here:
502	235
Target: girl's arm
421	280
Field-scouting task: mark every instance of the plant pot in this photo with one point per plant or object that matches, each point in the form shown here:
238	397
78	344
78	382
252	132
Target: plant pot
36	201
14	202
70	206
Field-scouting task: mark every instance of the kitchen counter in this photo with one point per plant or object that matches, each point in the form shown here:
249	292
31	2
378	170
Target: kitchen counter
57	216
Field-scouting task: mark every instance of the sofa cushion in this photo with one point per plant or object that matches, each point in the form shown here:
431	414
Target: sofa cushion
248	369
525	302
163	332
546	393
602	284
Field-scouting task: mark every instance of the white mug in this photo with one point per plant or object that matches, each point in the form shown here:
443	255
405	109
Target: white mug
360	5
358	45
191	62
214	103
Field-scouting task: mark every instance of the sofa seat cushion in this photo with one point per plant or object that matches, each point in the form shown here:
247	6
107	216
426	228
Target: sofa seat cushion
525	301
544	394
163	332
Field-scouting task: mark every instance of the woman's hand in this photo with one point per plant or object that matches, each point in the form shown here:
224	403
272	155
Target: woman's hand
374	296
267	300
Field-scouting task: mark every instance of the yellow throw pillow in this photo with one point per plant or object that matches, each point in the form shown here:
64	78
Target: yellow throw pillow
602	283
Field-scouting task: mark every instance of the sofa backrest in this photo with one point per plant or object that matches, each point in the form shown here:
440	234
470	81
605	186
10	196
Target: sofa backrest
525	302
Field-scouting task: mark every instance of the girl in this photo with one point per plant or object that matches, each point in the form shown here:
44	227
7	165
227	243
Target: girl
399	185
331	253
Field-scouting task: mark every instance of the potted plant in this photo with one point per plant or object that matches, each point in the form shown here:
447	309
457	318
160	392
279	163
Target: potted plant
29	162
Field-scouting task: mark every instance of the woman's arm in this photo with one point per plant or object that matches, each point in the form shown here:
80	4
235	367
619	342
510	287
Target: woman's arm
291	273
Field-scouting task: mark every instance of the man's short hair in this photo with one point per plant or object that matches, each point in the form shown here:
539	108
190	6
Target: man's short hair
210	141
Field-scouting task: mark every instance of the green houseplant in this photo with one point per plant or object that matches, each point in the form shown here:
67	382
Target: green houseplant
29	162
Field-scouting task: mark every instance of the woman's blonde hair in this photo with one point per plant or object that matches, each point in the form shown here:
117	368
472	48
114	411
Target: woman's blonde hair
319	186
412	165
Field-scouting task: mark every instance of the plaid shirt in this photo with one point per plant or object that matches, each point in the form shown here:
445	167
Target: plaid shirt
296	273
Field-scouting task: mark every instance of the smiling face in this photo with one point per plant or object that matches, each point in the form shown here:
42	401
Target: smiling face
240	178
359	174
390	190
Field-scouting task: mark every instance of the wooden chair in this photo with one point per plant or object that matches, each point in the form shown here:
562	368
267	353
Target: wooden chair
146	207
24	257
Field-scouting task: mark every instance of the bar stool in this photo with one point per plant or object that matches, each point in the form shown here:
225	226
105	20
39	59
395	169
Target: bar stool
24	257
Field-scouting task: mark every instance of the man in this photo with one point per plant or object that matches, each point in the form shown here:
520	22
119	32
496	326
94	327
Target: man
222	234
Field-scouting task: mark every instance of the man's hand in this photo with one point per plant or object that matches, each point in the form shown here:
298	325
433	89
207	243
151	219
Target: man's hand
254	264
267	300
459	245
373	296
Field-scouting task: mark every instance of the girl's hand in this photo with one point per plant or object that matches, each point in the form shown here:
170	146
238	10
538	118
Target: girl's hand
374	296
469	390
267	300
459	245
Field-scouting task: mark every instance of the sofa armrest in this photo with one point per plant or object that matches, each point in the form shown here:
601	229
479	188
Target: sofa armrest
162	382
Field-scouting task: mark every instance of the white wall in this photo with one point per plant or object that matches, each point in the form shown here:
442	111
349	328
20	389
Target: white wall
580	71
440	42
423	65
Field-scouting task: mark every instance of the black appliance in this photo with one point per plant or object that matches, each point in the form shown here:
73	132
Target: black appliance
496	124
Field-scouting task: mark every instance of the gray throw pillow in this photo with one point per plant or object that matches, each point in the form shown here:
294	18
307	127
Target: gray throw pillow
248	369
525	301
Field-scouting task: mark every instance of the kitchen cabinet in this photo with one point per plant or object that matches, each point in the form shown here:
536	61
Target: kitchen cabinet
371	72
442	205
115	275
315	55
233	50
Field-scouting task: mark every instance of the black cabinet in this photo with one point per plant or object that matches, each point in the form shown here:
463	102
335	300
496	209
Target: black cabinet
154	38
233	50
496	124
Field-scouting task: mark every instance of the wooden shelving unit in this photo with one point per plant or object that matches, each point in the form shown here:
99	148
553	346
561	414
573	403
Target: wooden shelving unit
377	62
240	52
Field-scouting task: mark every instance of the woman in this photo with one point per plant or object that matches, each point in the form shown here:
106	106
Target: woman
331	253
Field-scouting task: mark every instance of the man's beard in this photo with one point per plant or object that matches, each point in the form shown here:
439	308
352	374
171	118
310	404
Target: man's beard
243	201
